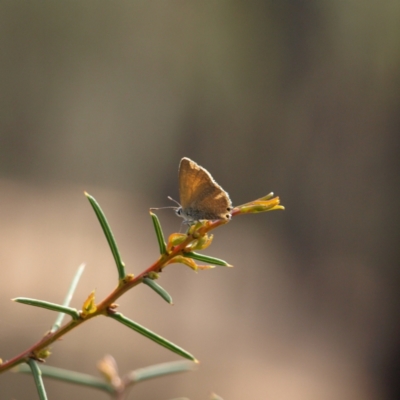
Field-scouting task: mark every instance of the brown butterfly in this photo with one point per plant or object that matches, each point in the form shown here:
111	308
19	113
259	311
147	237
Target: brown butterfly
200	196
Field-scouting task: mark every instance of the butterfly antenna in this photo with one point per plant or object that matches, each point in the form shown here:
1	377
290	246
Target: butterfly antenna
162	208
170	198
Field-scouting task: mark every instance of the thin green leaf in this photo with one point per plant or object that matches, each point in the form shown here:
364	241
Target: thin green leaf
267	197
68	297
207	259
152	336
37	376
159	233
181	398
109	235
49	306
155	371
158	289
70	376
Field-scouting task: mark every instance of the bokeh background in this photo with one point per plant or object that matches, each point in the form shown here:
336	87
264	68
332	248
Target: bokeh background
297	97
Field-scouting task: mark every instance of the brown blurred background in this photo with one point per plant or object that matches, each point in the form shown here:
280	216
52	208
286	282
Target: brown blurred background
296	97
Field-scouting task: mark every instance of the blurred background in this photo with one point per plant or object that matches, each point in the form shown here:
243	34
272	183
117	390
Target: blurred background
297	97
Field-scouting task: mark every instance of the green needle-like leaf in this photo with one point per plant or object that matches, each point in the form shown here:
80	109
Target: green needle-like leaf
207	259
152	336
109	235
49	306
37	376
70	376
158	289
68	297
155	371
181	398
267	197
159	233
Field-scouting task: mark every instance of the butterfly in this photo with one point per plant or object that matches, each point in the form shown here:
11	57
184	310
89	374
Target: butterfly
200	196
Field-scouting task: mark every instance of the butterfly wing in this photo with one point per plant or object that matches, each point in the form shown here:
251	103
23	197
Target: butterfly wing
201	197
